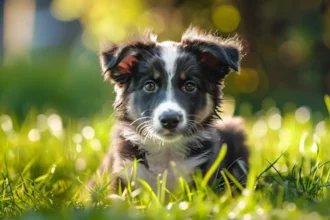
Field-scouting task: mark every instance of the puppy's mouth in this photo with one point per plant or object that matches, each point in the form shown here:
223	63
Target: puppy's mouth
171	137
168	133
148	131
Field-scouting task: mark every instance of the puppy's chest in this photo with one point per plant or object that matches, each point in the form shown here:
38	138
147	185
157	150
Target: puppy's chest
167	160
176	165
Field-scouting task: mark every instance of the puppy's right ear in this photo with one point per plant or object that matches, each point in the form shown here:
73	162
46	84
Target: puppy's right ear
119	62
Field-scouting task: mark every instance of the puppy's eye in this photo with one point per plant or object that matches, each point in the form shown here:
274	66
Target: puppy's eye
190	87
150	86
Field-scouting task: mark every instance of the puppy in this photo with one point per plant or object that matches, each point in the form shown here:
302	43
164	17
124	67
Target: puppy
167	99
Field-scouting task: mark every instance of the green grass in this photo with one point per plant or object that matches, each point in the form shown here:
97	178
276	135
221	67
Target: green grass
47	160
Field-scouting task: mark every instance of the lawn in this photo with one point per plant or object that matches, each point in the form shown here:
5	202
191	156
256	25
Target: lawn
47	159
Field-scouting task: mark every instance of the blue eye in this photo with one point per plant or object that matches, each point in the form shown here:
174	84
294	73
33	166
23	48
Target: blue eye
190	87
150	86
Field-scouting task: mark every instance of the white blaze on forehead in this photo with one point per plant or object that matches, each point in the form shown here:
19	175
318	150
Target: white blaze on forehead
169	54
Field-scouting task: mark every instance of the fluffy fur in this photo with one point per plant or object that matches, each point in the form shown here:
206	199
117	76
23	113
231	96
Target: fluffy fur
167	99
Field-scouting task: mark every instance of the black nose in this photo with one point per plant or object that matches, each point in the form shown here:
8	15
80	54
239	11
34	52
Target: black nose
170	119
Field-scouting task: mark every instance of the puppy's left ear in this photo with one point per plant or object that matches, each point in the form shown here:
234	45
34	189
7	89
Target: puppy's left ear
216	55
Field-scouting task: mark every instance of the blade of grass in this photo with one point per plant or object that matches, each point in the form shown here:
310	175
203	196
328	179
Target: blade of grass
215	165
150	191
280	175
269	167
225	179
232	178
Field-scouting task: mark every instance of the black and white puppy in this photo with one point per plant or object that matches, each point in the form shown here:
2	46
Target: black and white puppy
167	99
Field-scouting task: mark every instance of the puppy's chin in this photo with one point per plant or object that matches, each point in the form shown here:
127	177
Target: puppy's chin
170	138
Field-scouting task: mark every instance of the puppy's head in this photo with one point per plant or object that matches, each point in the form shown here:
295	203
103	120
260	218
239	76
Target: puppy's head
169	90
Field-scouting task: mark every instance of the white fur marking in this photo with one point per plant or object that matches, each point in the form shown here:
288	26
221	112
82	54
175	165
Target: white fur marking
170	54
167	106
159	162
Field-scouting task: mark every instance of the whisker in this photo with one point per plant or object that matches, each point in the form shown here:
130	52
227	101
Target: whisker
140	126
145	111
139	119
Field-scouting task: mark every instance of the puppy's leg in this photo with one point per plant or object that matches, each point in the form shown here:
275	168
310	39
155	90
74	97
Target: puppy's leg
236	160
105	171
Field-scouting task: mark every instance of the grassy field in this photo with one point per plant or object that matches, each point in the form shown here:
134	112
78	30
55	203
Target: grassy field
47	160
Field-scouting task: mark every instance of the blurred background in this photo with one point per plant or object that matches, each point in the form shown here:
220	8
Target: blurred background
48	50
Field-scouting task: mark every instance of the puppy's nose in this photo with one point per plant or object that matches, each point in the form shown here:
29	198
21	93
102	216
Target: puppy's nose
170	119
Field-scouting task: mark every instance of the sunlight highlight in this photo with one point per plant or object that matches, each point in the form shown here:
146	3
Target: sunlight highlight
53	169
6	123
260	128
302	142
302	115
247	81
275	121
184	205
81	164
169	206
314	147
54	122
96	144
67	10
78	148
320	128
77	138
34	135
88	132
226	18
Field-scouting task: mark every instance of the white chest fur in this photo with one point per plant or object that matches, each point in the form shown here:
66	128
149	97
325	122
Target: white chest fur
173	162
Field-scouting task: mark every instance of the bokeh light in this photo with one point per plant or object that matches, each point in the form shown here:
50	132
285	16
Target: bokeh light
96	144
78	148
226	18
320	128
260	128
81	164
54	122
247	81
77	138
68	10
100	18
275	121
6	123
292	52
88	132
302	114
34	135
183	205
